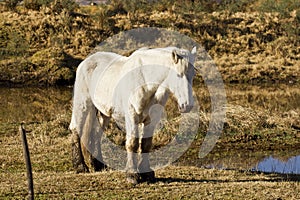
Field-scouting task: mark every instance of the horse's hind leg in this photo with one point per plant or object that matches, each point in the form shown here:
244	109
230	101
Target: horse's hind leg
86	141
132	146
77	156
91	142
79	151
86	130
102	123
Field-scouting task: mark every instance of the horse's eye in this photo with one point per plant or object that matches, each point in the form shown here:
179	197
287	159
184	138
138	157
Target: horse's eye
180	75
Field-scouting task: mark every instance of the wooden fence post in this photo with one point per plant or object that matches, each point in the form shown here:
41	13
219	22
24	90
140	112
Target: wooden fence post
27	161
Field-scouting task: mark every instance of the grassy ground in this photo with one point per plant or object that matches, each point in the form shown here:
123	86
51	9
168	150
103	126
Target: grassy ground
250	129
250	43
173	183
55	179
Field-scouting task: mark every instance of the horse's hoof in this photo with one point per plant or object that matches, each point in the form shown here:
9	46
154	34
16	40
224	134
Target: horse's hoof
98	165
133	178
82	168
148	177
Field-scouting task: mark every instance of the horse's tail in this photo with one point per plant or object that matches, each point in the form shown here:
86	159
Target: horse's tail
84	125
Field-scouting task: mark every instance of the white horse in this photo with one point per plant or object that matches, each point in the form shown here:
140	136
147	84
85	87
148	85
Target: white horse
109	85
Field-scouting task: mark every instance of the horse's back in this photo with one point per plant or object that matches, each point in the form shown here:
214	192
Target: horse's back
95	61
113	81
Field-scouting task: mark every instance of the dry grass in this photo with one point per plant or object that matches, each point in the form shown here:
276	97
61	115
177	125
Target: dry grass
172	183
248	46
249	125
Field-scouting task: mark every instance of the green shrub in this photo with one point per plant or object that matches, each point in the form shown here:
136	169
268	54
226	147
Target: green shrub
12	42
59	5
11	4
35	4
283	7
235	5
56	5
51	66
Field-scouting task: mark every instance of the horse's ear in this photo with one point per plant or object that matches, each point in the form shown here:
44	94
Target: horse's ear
180	68
194	50
193	55
175	56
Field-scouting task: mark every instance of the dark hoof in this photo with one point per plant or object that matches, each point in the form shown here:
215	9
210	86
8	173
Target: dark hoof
148	177
82	168
98	165
132	178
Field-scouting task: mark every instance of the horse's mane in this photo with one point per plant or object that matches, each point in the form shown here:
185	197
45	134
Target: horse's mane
147	50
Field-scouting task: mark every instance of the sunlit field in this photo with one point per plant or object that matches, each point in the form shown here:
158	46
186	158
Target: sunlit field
255	46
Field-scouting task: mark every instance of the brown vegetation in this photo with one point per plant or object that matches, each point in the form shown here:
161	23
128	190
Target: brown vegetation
249	42
54	178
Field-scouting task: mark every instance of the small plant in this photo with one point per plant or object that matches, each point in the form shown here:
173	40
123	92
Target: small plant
56	5
235	5
35	4
11	4
283	7
12	42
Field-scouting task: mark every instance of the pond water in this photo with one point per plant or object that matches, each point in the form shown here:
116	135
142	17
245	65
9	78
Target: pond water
275	165
34	105
88	2
285	162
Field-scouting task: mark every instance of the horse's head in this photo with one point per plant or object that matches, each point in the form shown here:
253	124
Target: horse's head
181	78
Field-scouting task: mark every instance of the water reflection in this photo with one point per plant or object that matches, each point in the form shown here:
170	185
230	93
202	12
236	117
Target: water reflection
33	104
89	2
279	162
274	165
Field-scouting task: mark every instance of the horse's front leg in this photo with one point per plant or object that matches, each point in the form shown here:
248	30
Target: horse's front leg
145	171
132	146
147	174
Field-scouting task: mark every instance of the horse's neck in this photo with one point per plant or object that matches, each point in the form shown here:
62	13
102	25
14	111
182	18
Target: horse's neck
151	57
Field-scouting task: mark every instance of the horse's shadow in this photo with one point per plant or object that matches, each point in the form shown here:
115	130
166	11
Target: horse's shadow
180	180
274	178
